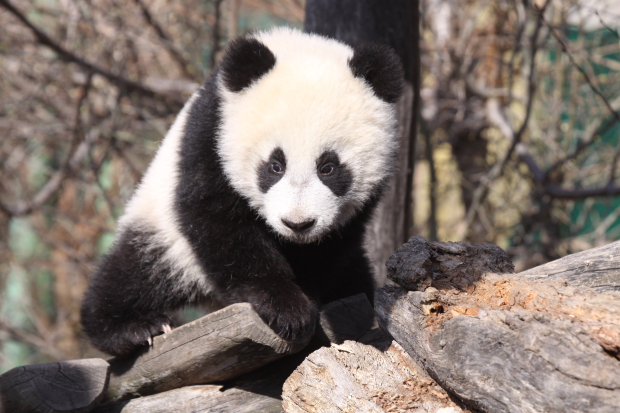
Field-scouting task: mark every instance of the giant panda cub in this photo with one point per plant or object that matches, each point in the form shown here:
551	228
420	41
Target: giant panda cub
259	193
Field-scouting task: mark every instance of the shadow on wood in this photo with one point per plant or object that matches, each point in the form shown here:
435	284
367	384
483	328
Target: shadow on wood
65	386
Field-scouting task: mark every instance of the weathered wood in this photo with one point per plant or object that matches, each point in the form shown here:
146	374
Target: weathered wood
597	268
355	377
417	263
65	386
503	342
217	347
195	399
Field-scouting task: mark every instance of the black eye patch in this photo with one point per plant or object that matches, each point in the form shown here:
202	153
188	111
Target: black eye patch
336	176
272	170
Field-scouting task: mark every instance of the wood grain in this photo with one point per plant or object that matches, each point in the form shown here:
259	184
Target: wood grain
200	398
220	346
65	386
597	268
355	377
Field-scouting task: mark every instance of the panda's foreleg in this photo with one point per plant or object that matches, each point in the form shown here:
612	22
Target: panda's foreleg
245	265
126	302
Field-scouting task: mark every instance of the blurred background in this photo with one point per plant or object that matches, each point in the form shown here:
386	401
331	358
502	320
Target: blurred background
518	130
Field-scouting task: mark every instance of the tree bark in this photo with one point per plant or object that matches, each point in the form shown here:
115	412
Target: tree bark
508	342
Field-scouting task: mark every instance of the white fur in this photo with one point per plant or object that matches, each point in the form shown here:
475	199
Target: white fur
152	209
308	103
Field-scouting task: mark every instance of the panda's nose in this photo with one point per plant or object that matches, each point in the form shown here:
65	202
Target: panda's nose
299	226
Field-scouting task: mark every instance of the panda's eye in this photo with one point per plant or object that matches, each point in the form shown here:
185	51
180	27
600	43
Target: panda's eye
326	169
277	168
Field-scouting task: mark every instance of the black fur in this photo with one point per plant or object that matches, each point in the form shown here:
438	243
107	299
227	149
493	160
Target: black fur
266	176
340	179
243	258
125	302
381	68
246	61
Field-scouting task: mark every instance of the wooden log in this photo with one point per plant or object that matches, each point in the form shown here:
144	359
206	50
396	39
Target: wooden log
65	386
505	342
356	377
198	399
597	268
217	347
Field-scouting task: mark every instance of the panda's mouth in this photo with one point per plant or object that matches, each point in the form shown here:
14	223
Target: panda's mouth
301	232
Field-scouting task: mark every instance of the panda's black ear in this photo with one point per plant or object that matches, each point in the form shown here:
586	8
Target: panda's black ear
381	68
245	61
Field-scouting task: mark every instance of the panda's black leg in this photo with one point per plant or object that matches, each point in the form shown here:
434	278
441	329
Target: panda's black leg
125	304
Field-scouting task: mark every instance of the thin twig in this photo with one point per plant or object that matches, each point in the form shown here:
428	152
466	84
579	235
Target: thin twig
69	166
166	40
482	189
64	54
23	336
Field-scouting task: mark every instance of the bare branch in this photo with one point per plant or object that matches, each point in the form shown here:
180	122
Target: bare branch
70	165
121	82
23	336
482	190
166	40
587	77
556	191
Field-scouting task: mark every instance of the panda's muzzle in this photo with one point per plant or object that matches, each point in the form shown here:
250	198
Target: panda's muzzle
299	227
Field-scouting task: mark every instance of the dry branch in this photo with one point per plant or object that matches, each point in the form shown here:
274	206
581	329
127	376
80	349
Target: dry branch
68	56
507	343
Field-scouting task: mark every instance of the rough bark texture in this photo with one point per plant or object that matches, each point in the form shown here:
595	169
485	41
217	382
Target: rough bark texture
598	268
504	342
217	347
355	377
418	264
64	386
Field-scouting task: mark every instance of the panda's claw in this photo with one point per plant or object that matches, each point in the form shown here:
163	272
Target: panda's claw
149	340
166	328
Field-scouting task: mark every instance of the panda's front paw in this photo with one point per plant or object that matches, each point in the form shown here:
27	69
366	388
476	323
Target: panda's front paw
123	339
288	311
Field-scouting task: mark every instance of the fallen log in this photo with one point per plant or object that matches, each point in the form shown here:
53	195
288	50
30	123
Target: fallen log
259	390
64	386
198	399
229	345
597	268
217	347
357	377
504	342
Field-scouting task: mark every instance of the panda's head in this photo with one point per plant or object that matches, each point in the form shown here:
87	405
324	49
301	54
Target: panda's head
308	132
